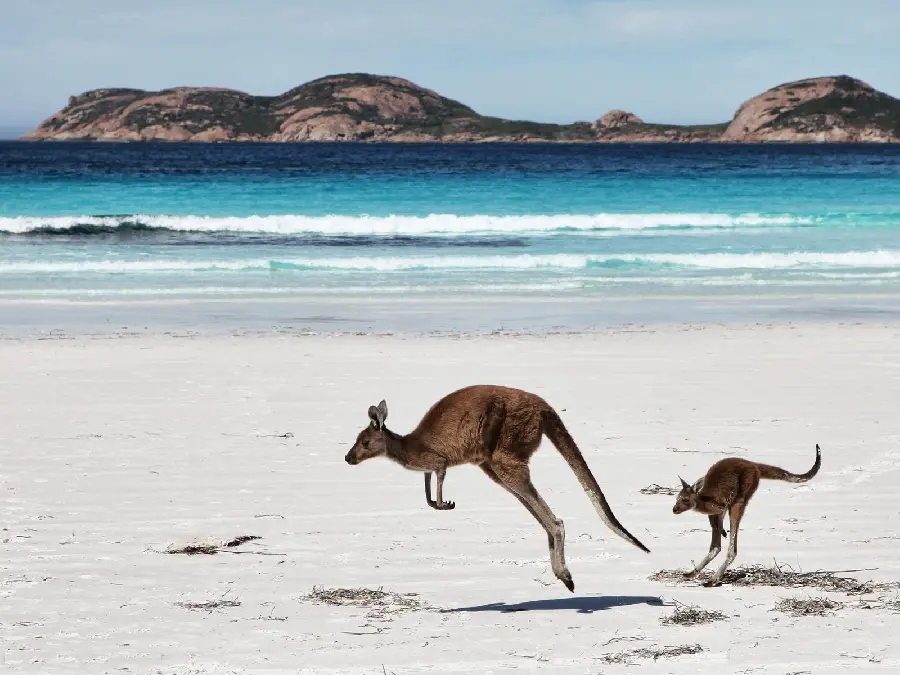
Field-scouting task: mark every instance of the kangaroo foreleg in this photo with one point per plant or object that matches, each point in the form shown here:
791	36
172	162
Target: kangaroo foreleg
428	498
438	504
441	504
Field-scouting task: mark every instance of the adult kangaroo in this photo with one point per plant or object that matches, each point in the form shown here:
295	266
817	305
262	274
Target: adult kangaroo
498	429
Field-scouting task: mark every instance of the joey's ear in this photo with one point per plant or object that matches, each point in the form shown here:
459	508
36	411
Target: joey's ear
684	484
375	416
382	409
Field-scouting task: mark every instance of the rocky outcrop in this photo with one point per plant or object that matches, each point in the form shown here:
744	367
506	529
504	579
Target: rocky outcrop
180	114
617	119
342	107
354	107
362	107
823	109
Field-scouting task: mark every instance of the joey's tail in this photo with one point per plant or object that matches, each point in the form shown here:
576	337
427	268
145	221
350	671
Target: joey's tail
560	437
777	473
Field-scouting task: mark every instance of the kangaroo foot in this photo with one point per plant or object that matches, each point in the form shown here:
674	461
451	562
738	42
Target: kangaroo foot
561	572
566	577
715	581
690	574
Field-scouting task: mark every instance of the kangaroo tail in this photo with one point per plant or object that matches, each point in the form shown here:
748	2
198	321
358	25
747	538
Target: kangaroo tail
777	473
560	437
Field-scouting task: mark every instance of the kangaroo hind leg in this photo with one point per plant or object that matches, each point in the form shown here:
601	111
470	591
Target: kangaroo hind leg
517	479
494	477
735	514
715	545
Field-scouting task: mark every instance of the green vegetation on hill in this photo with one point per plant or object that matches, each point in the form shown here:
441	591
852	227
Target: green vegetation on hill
880	111
204	109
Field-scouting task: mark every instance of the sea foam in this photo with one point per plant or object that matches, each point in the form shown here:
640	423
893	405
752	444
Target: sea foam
883	259
435	224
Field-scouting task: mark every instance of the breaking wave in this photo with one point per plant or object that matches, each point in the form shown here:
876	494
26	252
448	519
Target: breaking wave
436	224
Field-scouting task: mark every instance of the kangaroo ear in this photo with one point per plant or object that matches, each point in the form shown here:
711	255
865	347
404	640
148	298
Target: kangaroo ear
382	410
684	484
375	416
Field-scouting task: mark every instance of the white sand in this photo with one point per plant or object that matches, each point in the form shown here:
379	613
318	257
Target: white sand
114	448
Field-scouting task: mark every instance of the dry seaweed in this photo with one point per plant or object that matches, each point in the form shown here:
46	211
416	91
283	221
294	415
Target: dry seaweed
243	539
208	605
380	603
210	548
194	549
651	653
892	605
808	606
782	576
658	490
691	615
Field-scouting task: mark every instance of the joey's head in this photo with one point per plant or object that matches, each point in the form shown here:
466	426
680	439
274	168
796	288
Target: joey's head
686	499
373	440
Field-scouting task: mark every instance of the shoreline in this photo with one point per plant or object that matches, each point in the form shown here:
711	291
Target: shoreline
433	315
800	142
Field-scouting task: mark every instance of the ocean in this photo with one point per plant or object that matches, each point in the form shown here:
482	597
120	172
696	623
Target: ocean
536	235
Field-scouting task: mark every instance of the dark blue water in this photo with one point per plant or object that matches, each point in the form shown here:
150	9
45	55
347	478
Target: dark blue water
126	220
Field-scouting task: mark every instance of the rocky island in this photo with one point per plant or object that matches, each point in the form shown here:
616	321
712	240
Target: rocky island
364	107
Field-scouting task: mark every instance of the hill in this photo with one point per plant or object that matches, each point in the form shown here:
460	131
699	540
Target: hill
364	107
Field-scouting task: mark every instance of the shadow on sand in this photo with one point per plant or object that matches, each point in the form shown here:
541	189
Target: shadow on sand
583	605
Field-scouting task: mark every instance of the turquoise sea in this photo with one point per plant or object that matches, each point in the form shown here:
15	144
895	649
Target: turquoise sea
334	225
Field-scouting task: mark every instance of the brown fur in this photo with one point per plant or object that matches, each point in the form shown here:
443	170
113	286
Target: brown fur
728	487
498	429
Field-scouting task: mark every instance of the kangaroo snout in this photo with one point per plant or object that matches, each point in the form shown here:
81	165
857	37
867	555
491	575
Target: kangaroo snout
351	458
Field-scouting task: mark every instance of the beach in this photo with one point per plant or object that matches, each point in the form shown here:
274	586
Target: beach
121	445
237	273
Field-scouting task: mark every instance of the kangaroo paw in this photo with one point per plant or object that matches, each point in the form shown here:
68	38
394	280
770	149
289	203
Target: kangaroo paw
445	506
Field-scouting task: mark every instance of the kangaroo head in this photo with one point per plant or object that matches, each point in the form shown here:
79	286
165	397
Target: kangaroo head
686	499
373	440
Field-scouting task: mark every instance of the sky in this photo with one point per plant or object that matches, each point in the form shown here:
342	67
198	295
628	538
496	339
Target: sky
677	61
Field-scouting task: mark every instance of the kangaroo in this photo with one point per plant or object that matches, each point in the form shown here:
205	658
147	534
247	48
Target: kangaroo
728	486
498	429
